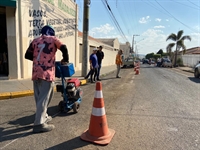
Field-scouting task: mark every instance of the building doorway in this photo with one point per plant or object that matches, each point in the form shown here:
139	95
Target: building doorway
3	44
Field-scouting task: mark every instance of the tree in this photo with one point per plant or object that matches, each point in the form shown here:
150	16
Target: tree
156	56
160	52
179	42
150	55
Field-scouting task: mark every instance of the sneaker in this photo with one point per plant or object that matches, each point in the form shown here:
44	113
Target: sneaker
118	77
43	128
98	79
85	77
49	118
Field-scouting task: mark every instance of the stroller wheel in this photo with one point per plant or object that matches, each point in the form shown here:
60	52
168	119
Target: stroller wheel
76	107
61	106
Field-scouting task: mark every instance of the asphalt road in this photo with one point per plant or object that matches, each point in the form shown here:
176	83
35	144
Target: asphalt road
159	109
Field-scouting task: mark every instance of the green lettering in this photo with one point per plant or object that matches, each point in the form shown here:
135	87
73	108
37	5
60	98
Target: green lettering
50	1
65	8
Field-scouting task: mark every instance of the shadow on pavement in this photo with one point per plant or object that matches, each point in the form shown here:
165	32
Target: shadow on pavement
23	121
74	143
196	80
15	132
22	126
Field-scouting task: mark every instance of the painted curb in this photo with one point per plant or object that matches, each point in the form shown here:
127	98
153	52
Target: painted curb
83	82
17	94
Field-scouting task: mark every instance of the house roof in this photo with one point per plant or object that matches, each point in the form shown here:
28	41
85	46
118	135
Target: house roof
80	34
194	50
107	41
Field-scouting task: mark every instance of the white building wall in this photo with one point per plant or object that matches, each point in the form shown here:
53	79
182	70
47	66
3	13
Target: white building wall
126	49
34	14
190	60
109	52
116	44
61	14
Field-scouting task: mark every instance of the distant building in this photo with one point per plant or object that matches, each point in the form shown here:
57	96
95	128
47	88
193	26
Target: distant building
114	42
126	47
191	56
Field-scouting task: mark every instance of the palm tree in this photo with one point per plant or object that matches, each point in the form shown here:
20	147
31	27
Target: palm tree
179	42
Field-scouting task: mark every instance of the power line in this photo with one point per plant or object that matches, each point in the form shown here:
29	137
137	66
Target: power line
193	3
175	17
114	19
185	5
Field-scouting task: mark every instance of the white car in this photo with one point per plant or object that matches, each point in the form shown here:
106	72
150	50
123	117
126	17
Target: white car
128	62
197	70
167	63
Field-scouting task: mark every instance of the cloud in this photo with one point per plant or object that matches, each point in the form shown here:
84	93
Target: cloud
197	27
104	29
152	32
154	39
158	19
159	27
167	20
144	19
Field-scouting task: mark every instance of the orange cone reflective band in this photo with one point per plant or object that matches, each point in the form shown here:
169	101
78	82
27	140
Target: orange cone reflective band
98	131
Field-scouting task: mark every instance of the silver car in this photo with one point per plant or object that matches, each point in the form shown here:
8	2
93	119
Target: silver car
197	70
167	63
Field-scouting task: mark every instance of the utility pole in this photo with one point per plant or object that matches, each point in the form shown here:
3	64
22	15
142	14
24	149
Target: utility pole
85	38
133	43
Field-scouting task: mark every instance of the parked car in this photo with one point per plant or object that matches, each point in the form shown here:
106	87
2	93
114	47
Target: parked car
153	62
167	63
197	70
128	62
145	61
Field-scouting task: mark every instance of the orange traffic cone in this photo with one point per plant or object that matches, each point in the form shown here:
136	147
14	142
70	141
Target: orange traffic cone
138	65
98	131
137	71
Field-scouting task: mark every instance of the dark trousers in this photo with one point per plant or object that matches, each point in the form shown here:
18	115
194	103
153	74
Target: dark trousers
98	72
93	72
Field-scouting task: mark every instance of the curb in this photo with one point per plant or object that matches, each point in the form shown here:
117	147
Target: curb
191	71
10	95
188	71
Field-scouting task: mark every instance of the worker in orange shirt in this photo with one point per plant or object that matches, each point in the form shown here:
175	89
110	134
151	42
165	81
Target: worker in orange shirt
118	62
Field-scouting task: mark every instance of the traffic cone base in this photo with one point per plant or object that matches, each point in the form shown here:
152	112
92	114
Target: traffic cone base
98	131
103	140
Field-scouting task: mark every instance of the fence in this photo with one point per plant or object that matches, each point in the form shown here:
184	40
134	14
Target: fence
190	60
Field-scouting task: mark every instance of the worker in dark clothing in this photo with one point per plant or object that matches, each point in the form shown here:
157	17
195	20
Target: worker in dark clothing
100	56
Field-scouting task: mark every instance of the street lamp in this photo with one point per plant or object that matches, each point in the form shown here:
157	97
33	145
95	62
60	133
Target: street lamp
136	50
133	43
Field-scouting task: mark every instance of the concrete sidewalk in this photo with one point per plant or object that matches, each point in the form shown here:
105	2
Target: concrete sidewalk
24	87
19	88
187	69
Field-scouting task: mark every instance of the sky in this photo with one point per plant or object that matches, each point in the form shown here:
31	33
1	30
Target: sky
150	22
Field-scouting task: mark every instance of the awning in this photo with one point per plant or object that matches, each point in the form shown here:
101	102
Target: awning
11	3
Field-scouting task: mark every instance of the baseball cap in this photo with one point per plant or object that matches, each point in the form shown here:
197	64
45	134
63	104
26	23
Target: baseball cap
95	49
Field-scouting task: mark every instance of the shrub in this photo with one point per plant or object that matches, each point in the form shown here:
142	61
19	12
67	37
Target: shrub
179	62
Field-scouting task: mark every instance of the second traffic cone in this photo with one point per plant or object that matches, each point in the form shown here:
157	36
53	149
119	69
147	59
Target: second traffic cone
98	131
137	71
